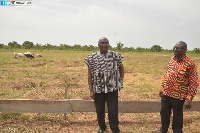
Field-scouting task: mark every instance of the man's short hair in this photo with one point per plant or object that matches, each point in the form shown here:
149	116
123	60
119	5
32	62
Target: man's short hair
102	38
184	44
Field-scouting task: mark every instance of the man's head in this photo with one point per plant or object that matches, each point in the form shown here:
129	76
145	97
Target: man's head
180	49
103	44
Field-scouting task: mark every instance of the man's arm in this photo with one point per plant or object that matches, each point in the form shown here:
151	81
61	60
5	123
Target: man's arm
121	71
192	89
163	81
92	95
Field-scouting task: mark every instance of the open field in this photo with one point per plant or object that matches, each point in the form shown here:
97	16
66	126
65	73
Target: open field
47	78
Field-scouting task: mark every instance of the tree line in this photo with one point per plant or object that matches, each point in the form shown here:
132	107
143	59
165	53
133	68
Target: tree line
119	47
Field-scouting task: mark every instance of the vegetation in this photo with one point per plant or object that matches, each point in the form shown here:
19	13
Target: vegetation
47	78
78	47
156	48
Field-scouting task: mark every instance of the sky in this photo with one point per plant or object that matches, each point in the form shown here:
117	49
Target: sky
135	23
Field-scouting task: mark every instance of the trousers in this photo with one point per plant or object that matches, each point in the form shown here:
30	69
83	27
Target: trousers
112	104
167	104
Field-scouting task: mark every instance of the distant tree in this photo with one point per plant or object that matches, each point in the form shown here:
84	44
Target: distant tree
147	50
38	46
49	46
120	46
1	45
77	47
130	49
14	44
196	50
64	47
88	48
28	45
91	47
156	48
140	49
109	47
61	47
67	46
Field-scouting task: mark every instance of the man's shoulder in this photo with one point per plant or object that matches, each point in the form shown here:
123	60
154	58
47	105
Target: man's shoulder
114	52
173	57
188	59
94	53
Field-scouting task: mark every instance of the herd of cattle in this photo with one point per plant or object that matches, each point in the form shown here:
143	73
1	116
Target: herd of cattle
26	54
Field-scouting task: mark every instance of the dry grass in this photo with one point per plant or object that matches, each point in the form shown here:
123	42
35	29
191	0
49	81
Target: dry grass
47	77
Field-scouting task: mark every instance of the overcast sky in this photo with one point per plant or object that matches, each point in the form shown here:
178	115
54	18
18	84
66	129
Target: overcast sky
135	23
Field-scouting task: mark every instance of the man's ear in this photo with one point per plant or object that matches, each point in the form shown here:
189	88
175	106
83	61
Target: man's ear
185	49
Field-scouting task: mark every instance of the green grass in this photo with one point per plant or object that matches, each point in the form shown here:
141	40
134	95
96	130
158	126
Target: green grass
47	78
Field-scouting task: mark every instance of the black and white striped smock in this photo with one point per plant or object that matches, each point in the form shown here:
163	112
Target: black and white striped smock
105	71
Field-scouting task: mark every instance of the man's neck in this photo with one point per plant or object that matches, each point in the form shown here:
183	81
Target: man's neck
104	53
179	57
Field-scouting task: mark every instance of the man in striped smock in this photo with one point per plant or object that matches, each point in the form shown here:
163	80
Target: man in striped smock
105	78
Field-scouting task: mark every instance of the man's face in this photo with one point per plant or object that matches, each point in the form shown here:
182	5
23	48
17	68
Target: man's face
179	49
103	45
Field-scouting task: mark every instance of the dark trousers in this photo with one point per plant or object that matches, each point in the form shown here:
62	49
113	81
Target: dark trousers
112	103
167	104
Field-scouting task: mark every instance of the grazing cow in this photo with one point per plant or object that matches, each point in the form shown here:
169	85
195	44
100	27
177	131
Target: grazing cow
29	55
38	55
16	55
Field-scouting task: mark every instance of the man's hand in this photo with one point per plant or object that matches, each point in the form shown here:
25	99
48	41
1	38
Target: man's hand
187	104
160	93
92	95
